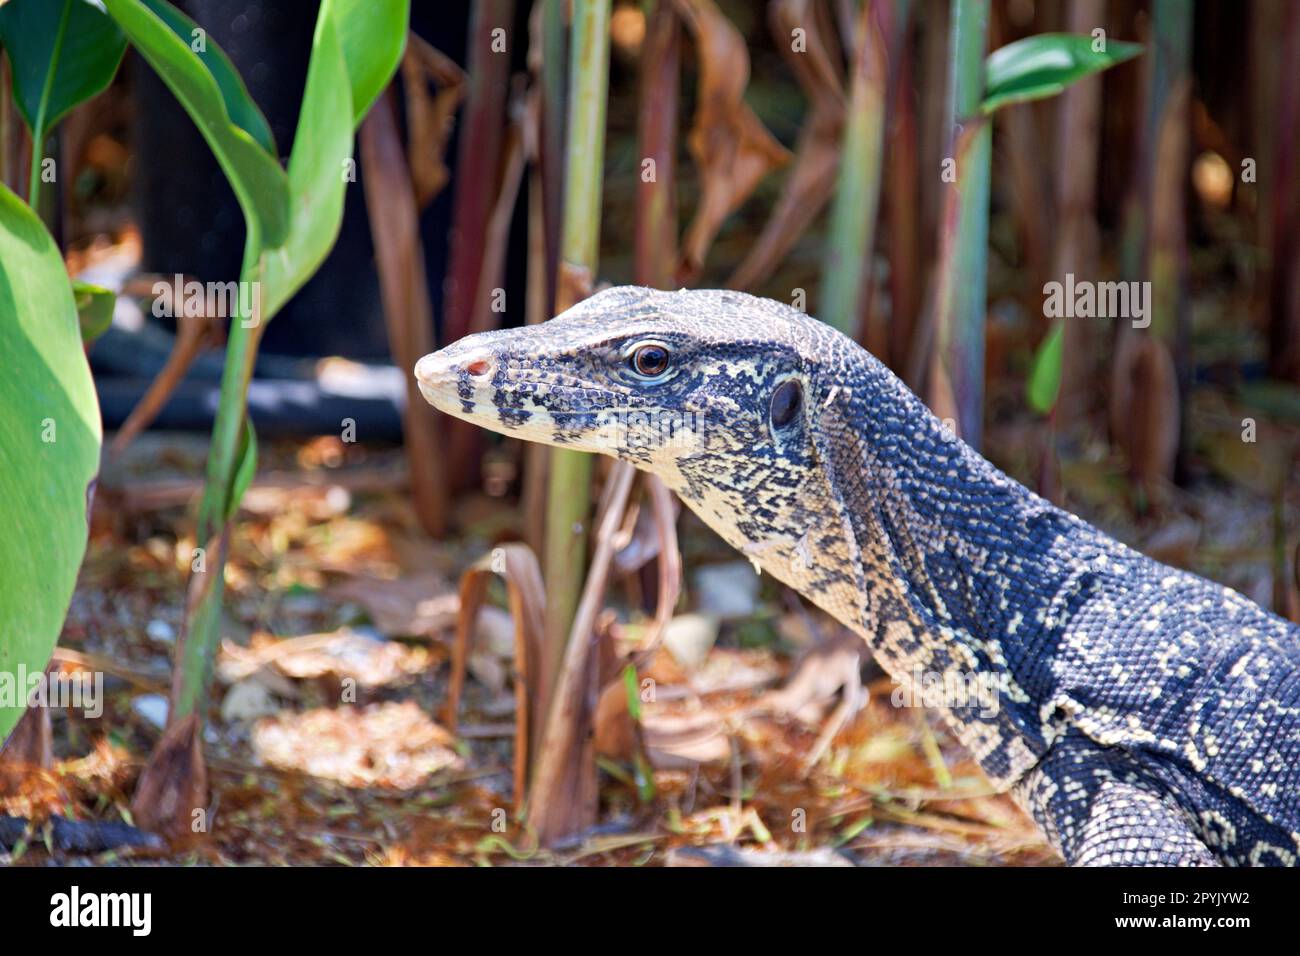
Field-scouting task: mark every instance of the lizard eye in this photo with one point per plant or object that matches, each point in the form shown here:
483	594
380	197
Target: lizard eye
649	360
786	402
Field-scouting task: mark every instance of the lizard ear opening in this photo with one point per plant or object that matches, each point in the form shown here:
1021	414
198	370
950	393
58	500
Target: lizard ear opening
787	401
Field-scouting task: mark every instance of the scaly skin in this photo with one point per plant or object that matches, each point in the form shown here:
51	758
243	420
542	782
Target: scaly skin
1144	715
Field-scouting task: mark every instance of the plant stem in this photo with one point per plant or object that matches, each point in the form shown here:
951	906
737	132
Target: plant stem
482	132
1284	284
555	48
857	195
1078	136
203	612
960	331
569	497
903	198
655	241
1168	120
970	23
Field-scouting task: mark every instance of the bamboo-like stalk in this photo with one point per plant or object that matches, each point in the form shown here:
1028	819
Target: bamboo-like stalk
902	196
568	507
1284	276
810	185
546	194
1168	123
564	795
656	200
957	384
1078	140
1149	372
932	142
478	174
478	160
851	237
554	86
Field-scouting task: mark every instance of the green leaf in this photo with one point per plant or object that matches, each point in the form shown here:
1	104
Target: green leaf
373	34
94	309
1045	376
633	692
1044	65
49	449
61	52
207	85
322	144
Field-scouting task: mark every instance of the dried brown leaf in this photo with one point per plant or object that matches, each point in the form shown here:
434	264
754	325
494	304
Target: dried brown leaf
518	567
430	117
418	604
728	142
811	181
387	745
173	786
408	311
342	654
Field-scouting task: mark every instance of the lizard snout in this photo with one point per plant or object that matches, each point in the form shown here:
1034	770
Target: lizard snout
444	374
438	367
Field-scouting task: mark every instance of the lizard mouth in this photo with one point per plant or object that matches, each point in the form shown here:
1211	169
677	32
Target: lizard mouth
468	385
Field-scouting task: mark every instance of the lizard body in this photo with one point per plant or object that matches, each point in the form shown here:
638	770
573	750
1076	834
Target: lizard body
1144	715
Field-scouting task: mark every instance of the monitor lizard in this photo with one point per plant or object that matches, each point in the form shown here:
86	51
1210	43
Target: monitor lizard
1145	716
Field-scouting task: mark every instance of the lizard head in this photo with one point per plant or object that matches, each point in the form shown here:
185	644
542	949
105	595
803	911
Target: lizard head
661	379
721	394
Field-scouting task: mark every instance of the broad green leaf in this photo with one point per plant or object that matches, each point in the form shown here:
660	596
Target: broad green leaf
373	34
322	147
62	52
1045	376
49	449
1041	66
202	78
94	309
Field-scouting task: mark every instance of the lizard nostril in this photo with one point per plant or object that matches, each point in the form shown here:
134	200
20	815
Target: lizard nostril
479	367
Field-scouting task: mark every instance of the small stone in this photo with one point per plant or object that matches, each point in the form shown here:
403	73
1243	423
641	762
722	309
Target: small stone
727	590
160	631
247	700
151	707
690	637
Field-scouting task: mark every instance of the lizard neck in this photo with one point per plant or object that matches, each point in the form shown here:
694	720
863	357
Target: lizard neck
973	576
